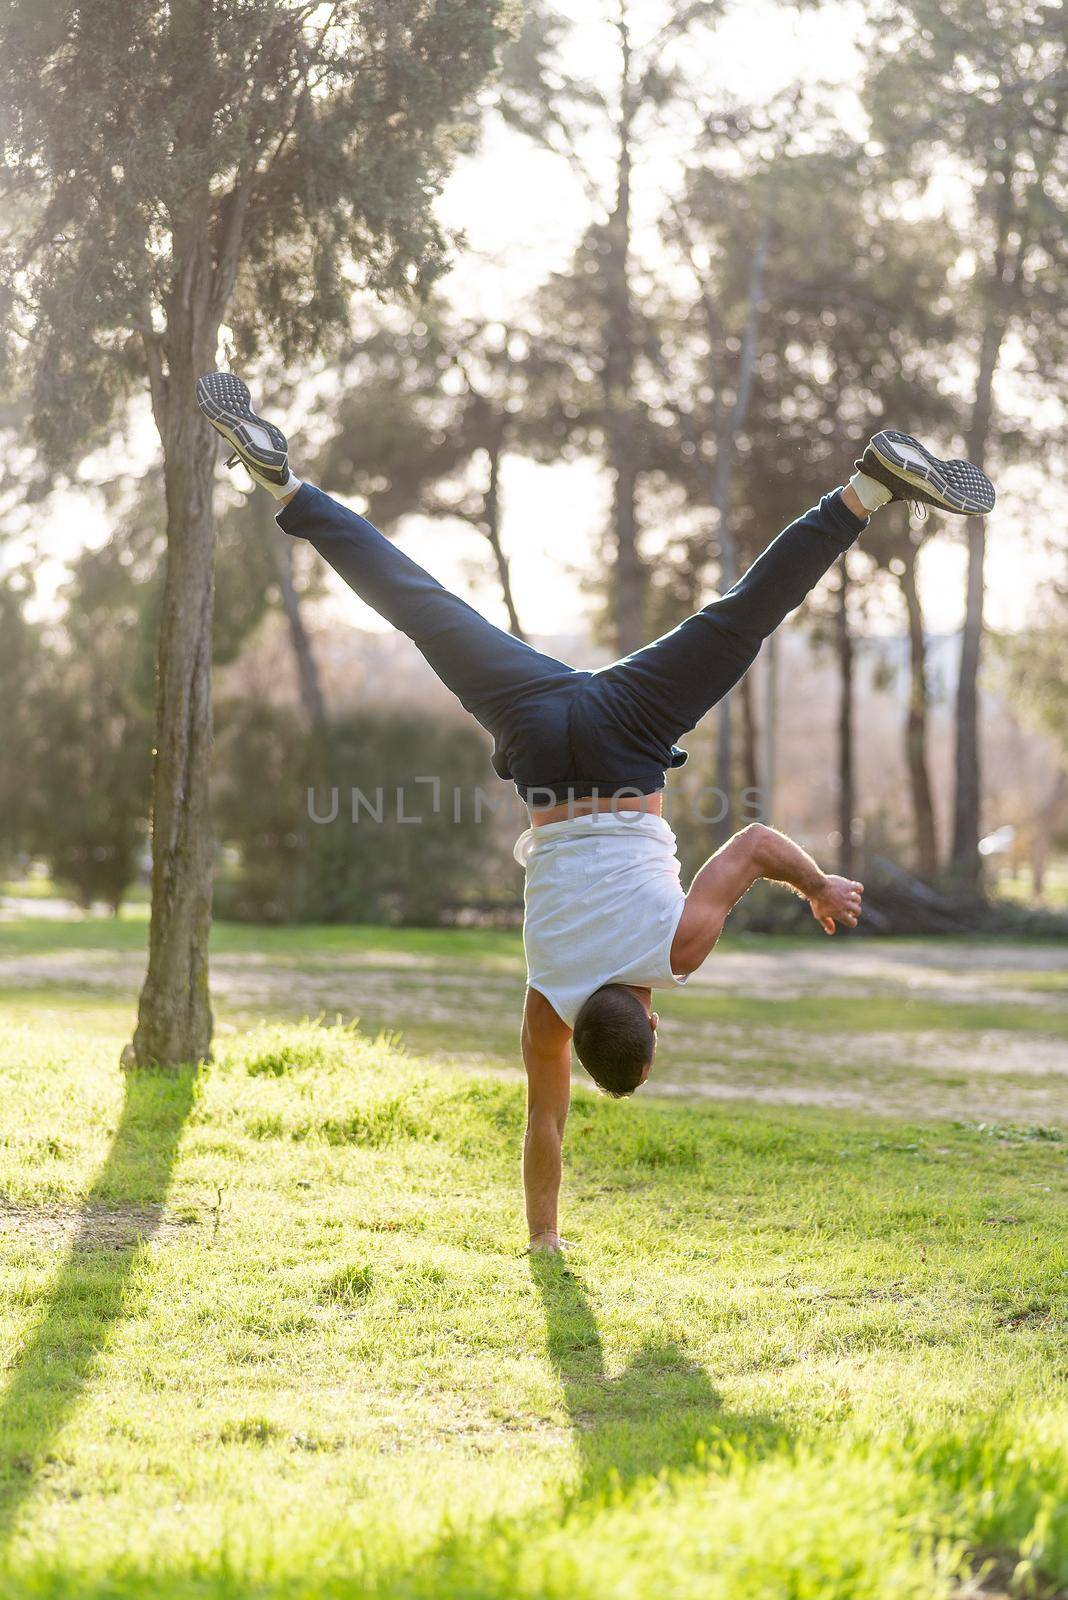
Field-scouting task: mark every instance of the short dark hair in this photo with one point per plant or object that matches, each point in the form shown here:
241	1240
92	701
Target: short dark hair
614	1039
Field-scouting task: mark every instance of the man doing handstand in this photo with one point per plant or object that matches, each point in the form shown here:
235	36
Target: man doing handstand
606	919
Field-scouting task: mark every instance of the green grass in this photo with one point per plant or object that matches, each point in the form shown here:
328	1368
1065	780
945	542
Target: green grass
1021	887
878	1014
268	1331
288	944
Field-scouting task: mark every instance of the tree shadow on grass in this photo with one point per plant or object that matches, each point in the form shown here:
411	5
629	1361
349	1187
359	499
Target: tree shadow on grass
661	1414
90	1291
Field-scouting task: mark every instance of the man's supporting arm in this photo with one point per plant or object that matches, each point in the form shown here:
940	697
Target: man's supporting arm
547	1058
757	852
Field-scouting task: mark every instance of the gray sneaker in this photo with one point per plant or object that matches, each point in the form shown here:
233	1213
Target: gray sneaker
903	465
262	448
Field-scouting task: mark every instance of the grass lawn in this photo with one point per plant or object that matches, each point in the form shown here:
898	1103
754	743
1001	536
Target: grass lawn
974	1030
267	1330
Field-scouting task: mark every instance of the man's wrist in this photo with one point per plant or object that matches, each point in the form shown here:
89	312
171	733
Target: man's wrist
812	888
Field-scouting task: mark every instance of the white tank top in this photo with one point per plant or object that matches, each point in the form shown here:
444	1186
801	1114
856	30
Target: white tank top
603	901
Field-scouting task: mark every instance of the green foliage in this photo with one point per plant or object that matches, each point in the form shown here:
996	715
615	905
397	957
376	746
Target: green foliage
1036	666
851	328
240	160
376	866
20	664
983	92
985	89
91	700
193	162
430	408
421	397
78	696
246	575
851	331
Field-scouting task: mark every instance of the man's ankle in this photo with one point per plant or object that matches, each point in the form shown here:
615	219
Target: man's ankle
283	492
867	493
852	502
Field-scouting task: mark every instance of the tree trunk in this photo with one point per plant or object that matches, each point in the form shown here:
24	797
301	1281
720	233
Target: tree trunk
916	726
491	523
174	1022
771	719
966	804
725	808
750	742
309	682
726	450
726	446
965	859
846	798
1045	828
619	376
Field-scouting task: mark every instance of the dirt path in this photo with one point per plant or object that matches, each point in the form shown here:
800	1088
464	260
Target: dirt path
957	974
467	1012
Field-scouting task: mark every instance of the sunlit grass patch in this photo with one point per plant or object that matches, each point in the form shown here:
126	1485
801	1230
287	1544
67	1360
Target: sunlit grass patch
842	1014
267	1329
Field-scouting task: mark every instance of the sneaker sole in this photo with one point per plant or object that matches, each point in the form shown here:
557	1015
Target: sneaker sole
956	485
227	403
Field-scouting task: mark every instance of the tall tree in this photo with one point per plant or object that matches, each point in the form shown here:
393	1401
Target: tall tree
594	327
202	161
846	787
256	570
895	545
430	412
727	261
986	87
1035	663
727	380
823	314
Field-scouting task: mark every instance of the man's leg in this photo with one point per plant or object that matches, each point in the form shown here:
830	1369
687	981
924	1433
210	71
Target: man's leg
487	669
668	686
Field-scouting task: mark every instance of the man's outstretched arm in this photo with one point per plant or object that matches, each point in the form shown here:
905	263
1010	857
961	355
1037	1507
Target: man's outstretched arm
757	852
547	1058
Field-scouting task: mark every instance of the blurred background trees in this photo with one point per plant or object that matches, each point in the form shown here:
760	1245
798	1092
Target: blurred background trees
751	288
427	415
986	92
195	163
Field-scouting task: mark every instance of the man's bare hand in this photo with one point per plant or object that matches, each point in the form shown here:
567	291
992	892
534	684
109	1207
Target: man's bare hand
838	901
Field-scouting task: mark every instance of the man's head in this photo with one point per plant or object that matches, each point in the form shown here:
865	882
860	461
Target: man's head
615	1037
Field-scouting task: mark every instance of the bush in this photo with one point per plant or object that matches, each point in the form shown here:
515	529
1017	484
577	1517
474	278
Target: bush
382	867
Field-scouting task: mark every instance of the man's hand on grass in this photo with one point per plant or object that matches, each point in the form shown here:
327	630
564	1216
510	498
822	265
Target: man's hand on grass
548	1244
837	901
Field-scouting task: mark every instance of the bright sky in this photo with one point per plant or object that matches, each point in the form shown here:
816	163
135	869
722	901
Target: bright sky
521	211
